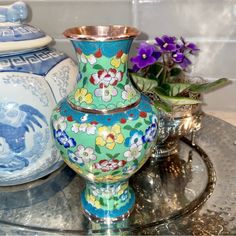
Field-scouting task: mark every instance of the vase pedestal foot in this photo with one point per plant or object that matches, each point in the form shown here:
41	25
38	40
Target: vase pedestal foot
107	202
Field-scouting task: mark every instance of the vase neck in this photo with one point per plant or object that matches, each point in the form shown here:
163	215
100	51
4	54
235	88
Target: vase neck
104	83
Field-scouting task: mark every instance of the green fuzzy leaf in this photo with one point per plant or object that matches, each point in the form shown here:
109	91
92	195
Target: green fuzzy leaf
175	71
142	83
97	149
109	155
98	67
96	173
163	106
176	101
173	89
207	87
147	122
155	69
139	124
128	127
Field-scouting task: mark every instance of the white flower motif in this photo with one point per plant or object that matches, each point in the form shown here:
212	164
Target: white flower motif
104	78
91	59
86	127
84	155
60	124
75	127
91	129
106	93
129	93
134	152
83	127
96	191
136	138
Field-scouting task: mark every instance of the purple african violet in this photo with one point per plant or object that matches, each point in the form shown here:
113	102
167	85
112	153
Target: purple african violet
146	56
167	43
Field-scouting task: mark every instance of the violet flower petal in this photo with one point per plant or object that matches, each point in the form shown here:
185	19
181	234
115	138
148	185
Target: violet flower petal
177	56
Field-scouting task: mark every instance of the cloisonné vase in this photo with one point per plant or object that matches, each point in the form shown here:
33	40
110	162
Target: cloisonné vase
33	79
105	129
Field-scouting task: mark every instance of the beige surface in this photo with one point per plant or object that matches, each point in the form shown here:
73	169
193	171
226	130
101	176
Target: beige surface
226	116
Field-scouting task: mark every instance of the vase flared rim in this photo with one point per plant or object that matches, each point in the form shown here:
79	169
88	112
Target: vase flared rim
101	33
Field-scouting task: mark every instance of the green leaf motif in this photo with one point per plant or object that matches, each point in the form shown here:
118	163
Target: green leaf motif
136	162
85	79
109	155
121	86
147	122
128	127
101	201
96	173
115	198
84	68
97	149
115	172
98	67
145	145
139	124
116	155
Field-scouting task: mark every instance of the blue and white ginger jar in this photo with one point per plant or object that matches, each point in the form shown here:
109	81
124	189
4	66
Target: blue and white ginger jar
33	78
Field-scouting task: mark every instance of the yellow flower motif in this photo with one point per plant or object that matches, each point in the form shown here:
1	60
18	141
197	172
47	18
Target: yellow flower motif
82	95
97	204
124	58
120	192
109	137
118	59
92	200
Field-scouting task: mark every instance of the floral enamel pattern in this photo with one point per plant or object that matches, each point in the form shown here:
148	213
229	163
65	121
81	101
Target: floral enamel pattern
104	78
109	137
106	145
104	81
116	143
108	197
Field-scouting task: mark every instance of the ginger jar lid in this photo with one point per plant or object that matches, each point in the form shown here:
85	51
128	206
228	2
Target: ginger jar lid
16	35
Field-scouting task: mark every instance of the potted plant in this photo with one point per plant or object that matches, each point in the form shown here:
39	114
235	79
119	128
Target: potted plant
161	69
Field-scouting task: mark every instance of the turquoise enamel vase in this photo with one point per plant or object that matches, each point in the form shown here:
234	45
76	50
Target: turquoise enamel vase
105	129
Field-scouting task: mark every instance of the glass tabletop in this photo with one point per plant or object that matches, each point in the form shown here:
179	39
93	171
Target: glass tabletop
167	192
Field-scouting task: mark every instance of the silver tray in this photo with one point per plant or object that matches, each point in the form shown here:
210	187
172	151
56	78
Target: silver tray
171	195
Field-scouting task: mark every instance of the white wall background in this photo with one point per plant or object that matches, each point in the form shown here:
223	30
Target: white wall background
209	23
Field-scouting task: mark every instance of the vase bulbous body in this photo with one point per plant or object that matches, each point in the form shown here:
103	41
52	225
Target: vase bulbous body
105	129
33	79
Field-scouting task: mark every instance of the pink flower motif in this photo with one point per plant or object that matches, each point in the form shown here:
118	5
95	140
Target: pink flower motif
104	78
105	165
